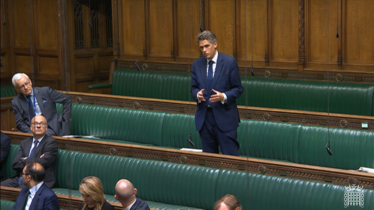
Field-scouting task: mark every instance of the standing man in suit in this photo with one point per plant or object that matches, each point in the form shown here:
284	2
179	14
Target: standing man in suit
5	148
36	195
126	195
39	101
215	86
40	148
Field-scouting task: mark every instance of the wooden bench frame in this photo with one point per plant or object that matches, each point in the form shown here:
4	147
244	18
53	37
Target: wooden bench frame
245	112
252	165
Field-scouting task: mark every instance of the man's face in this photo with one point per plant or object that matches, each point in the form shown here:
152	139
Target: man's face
208	49
24	86
39	125
26	177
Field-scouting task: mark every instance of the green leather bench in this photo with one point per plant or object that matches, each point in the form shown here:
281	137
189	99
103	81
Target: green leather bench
7	91
165	185
260	139
344	98
7	205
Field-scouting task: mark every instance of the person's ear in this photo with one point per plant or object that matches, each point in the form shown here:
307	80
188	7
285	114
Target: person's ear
115	197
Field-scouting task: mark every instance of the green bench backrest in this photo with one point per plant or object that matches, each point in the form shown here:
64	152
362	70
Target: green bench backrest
195	186
7	205
261	139
269	140
8	171
351	148
199	187
345	98
7	91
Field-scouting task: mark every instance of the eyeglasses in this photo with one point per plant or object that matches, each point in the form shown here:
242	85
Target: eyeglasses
39	123
25	85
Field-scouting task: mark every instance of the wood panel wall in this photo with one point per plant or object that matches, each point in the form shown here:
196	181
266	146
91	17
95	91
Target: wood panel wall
278	37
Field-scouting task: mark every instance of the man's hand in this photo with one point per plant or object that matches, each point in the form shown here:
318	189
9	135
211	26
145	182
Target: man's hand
217	97
200	95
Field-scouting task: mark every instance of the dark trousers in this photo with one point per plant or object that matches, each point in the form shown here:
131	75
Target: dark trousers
212	137
12	182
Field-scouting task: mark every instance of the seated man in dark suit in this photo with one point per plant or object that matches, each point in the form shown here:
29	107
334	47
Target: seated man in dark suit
39	101
40	148
36	195
126	195
5	147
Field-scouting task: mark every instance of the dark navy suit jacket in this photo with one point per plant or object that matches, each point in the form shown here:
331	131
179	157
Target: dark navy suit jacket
44	199
139	205
47	99
226	80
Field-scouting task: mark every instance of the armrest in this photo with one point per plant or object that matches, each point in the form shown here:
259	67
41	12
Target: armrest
99	85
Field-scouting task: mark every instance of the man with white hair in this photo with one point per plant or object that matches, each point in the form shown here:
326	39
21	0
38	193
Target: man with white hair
126	195
39	101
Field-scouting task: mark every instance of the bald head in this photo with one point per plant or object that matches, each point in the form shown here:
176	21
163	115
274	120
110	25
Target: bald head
124	189
34	173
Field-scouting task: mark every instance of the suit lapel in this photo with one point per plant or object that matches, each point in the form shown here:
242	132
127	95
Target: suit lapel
35	200
23	103
204	72
39	99
40	146
219	67
28	146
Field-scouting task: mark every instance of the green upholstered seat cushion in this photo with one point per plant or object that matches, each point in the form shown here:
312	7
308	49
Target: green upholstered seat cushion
7	91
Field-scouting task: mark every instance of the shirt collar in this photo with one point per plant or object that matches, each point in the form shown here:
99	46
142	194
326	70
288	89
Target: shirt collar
129	207
34	189
39	140
31	94
214	58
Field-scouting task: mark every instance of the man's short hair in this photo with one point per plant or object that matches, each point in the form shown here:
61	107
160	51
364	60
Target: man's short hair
17	77
36	173
206	35
229	200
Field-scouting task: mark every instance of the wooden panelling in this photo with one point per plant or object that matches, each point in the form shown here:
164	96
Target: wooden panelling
23	64
104	60
48	65
358	32
187	30
222	24
285	31
252	32
21	30
84	64
132	25
161	30
46	24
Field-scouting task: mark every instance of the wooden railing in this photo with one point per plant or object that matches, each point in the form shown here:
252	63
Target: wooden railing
245	112
252	165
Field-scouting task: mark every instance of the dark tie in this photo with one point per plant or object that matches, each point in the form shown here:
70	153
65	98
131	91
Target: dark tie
210	80
31	107
20	180
25	202
210	77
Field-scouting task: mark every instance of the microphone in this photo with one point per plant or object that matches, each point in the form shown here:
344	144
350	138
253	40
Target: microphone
252	72
337	31
137	64
201	28
189	137
1	62
4	22
328	148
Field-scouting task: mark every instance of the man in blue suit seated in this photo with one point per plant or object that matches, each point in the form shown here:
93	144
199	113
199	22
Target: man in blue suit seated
215	86
126	195
36	195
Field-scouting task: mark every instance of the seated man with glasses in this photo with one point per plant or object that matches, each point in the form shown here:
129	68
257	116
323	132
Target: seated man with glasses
40	148
39	101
